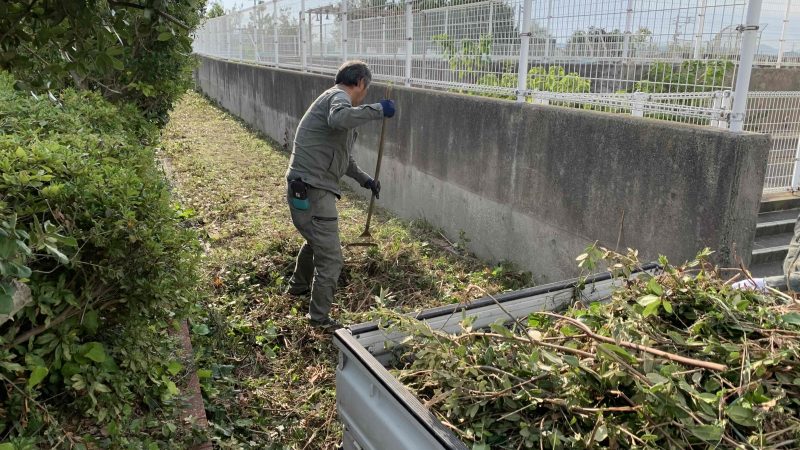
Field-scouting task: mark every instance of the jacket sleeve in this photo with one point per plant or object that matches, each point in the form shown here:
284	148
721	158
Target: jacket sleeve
355	172
343	116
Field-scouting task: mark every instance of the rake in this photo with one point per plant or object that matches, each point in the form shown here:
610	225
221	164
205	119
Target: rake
366	236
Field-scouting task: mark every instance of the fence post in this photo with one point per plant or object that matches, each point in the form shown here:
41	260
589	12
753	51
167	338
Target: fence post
626	39
345	21
525	43
301	44
637	104
547	29
796	173
491	17
409	40
275	42
783	36
310	40
726	106
749	32
700	23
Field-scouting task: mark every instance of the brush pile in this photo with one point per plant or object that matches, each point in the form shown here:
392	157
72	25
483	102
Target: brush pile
677	360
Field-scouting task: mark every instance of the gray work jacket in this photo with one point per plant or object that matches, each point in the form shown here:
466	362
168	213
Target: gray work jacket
790	280
323	145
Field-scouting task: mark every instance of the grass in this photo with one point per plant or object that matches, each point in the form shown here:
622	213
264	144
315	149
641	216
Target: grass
267	377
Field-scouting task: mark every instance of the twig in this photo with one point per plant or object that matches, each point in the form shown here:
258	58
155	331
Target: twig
526	341
621	225
641	348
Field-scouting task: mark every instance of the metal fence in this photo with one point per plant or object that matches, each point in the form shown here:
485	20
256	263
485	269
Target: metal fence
679	60
778	114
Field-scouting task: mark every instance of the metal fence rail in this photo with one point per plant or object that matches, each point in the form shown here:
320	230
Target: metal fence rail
674	60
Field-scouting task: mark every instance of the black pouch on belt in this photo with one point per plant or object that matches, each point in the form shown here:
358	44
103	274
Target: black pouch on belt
299	194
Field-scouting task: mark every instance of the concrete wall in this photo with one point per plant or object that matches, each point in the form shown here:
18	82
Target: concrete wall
528	183
772	79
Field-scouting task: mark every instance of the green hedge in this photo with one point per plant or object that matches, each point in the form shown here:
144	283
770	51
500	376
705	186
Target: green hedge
92	250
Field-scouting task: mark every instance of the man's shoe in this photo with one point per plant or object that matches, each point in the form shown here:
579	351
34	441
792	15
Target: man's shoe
326	324
296	293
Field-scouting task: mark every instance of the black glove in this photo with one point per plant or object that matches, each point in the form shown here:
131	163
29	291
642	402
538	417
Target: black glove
374	186
388	108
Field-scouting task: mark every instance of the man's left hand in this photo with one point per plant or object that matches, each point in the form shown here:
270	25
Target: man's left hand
374	186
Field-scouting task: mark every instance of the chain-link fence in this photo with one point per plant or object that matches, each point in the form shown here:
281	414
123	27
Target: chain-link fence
678	60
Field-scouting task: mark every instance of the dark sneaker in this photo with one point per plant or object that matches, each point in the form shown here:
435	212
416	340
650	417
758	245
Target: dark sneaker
296	292
326	324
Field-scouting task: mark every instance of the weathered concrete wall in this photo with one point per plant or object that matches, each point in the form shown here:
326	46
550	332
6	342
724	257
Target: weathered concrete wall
533	184
772	79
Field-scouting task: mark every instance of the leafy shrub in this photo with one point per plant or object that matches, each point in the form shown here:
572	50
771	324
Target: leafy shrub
130	51
88	230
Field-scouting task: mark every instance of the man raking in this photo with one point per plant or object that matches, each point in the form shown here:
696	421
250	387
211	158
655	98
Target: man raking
321	156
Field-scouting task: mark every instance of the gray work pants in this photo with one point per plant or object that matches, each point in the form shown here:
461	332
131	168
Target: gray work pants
319	261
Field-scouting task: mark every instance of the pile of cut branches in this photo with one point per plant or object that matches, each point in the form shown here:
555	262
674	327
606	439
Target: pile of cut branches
677	360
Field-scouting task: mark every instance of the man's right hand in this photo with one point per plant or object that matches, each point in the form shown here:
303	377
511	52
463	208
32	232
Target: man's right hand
388	108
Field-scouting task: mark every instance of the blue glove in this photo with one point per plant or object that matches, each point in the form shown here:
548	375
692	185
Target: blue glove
374	186
388	108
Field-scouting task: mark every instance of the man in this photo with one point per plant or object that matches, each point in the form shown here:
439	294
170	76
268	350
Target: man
790	280
321	155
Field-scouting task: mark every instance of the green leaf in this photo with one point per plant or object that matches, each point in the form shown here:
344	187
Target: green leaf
6	297
172	389
707	397
654	287
613	348
477	446
648	300
741	415
7	446
11	367
651	308
117	64
792	318
37	375
62	258
201	329
709	433
174	367
114	51
656	378
601	434
100	387
165	36
204	373
667	306
96	352
91	322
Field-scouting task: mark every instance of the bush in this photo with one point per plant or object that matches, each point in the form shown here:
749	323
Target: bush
129	51
93	266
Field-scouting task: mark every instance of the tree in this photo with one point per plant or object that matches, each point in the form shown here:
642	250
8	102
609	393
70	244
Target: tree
138	50
215	11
